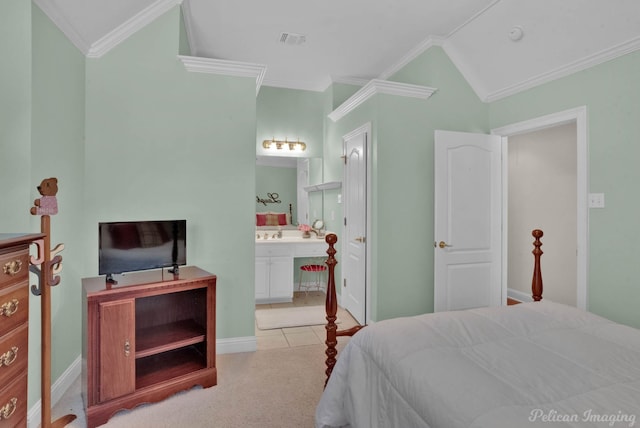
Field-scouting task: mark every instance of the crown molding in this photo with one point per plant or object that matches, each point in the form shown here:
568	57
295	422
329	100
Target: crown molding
53	13
377	86
224	67
422	47
566	70
130	27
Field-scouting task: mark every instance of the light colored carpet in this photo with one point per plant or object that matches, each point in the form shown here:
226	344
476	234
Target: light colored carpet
298	316
270	388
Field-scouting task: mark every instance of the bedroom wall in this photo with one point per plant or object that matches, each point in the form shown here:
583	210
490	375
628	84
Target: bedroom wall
162	142
15	115
610	91
402	177
57	150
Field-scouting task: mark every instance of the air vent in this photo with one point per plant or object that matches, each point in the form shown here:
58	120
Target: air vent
292	38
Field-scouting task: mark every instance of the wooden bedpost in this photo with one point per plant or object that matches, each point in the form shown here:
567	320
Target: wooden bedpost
331	306
536	283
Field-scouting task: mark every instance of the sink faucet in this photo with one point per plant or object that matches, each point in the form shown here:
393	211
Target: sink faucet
279	232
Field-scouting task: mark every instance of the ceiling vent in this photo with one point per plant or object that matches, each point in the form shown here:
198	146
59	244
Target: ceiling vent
292	38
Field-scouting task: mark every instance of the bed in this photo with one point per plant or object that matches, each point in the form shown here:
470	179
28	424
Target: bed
537	364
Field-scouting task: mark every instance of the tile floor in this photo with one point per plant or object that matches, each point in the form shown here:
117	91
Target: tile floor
300	336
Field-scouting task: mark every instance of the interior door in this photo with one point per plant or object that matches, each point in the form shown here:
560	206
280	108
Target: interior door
468	221
117	349
354	245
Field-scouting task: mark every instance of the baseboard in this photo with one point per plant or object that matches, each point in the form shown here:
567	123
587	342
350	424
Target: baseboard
58	389
236	344
519	295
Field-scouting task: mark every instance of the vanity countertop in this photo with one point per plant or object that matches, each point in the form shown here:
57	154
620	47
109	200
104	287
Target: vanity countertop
290	240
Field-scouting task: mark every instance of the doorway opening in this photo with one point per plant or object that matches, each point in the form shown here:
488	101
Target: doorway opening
574	243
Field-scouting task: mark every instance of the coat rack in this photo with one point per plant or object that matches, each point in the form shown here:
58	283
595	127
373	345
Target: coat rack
47	265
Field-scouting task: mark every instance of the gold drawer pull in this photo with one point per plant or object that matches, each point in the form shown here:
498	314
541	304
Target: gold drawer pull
12	268
9	357
127	348
7	410
9	308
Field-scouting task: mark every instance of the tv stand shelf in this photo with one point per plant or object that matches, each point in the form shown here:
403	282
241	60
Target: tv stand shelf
154	340
145	338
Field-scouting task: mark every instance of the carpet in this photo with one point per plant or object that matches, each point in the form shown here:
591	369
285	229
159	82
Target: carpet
298	316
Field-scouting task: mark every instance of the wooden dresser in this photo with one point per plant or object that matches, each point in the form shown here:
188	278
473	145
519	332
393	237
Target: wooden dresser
145	338
14	327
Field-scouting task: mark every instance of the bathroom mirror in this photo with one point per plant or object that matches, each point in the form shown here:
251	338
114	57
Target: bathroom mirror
280	183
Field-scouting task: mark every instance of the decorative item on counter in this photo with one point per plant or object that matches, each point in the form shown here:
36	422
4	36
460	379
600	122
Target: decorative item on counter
306	230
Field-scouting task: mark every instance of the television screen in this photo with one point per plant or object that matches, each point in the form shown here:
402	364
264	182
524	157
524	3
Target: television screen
141	245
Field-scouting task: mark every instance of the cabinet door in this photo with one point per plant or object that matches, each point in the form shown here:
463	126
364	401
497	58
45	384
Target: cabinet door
117	349
281	277
262	277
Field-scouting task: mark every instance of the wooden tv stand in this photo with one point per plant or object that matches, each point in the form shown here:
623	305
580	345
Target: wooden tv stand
145	338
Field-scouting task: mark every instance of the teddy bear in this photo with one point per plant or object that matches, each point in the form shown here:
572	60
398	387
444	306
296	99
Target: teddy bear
47	204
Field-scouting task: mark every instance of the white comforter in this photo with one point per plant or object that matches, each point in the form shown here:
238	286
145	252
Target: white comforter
529	365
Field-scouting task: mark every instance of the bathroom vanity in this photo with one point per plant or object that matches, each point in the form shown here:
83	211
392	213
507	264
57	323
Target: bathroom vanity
274	263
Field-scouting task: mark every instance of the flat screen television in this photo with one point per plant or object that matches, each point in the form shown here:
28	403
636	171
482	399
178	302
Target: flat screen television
141	245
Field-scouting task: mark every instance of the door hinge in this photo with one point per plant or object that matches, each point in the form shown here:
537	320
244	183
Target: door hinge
345	221
344	158
344	282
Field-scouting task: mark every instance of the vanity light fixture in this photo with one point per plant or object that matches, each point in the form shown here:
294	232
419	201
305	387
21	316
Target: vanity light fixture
274	144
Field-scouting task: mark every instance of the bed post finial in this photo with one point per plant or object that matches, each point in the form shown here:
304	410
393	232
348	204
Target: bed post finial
331	306
536	283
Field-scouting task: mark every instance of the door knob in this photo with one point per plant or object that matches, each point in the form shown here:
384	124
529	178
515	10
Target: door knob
443	244
361	239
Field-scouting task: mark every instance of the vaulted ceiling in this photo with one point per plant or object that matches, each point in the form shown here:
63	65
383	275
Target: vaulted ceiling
500	46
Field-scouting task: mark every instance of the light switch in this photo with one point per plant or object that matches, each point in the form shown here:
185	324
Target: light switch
596	200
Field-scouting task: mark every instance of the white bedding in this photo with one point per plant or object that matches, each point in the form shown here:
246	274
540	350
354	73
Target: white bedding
529	365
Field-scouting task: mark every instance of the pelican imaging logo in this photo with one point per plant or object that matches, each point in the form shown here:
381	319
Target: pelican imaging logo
611	419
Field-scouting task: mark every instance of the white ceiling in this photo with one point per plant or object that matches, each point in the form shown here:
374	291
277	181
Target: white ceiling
358	40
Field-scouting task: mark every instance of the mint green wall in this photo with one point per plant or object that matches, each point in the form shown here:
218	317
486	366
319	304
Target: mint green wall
278	180
162	142
402	177
291	114
15	115
57	140
610	92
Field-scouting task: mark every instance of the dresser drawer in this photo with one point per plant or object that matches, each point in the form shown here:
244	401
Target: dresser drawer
14	267
14	354
14	307
13	403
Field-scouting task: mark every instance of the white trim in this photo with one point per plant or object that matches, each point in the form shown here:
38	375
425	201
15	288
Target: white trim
58	389
519	295
130	27
579	115
375	87
233	345
54	14
224	67
566	70
422	47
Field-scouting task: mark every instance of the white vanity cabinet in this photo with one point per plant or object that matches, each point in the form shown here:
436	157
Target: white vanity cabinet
274	266
274	273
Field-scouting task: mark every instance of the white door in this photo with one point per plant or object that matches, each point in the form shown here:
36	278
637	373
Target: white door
468	207
354	244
